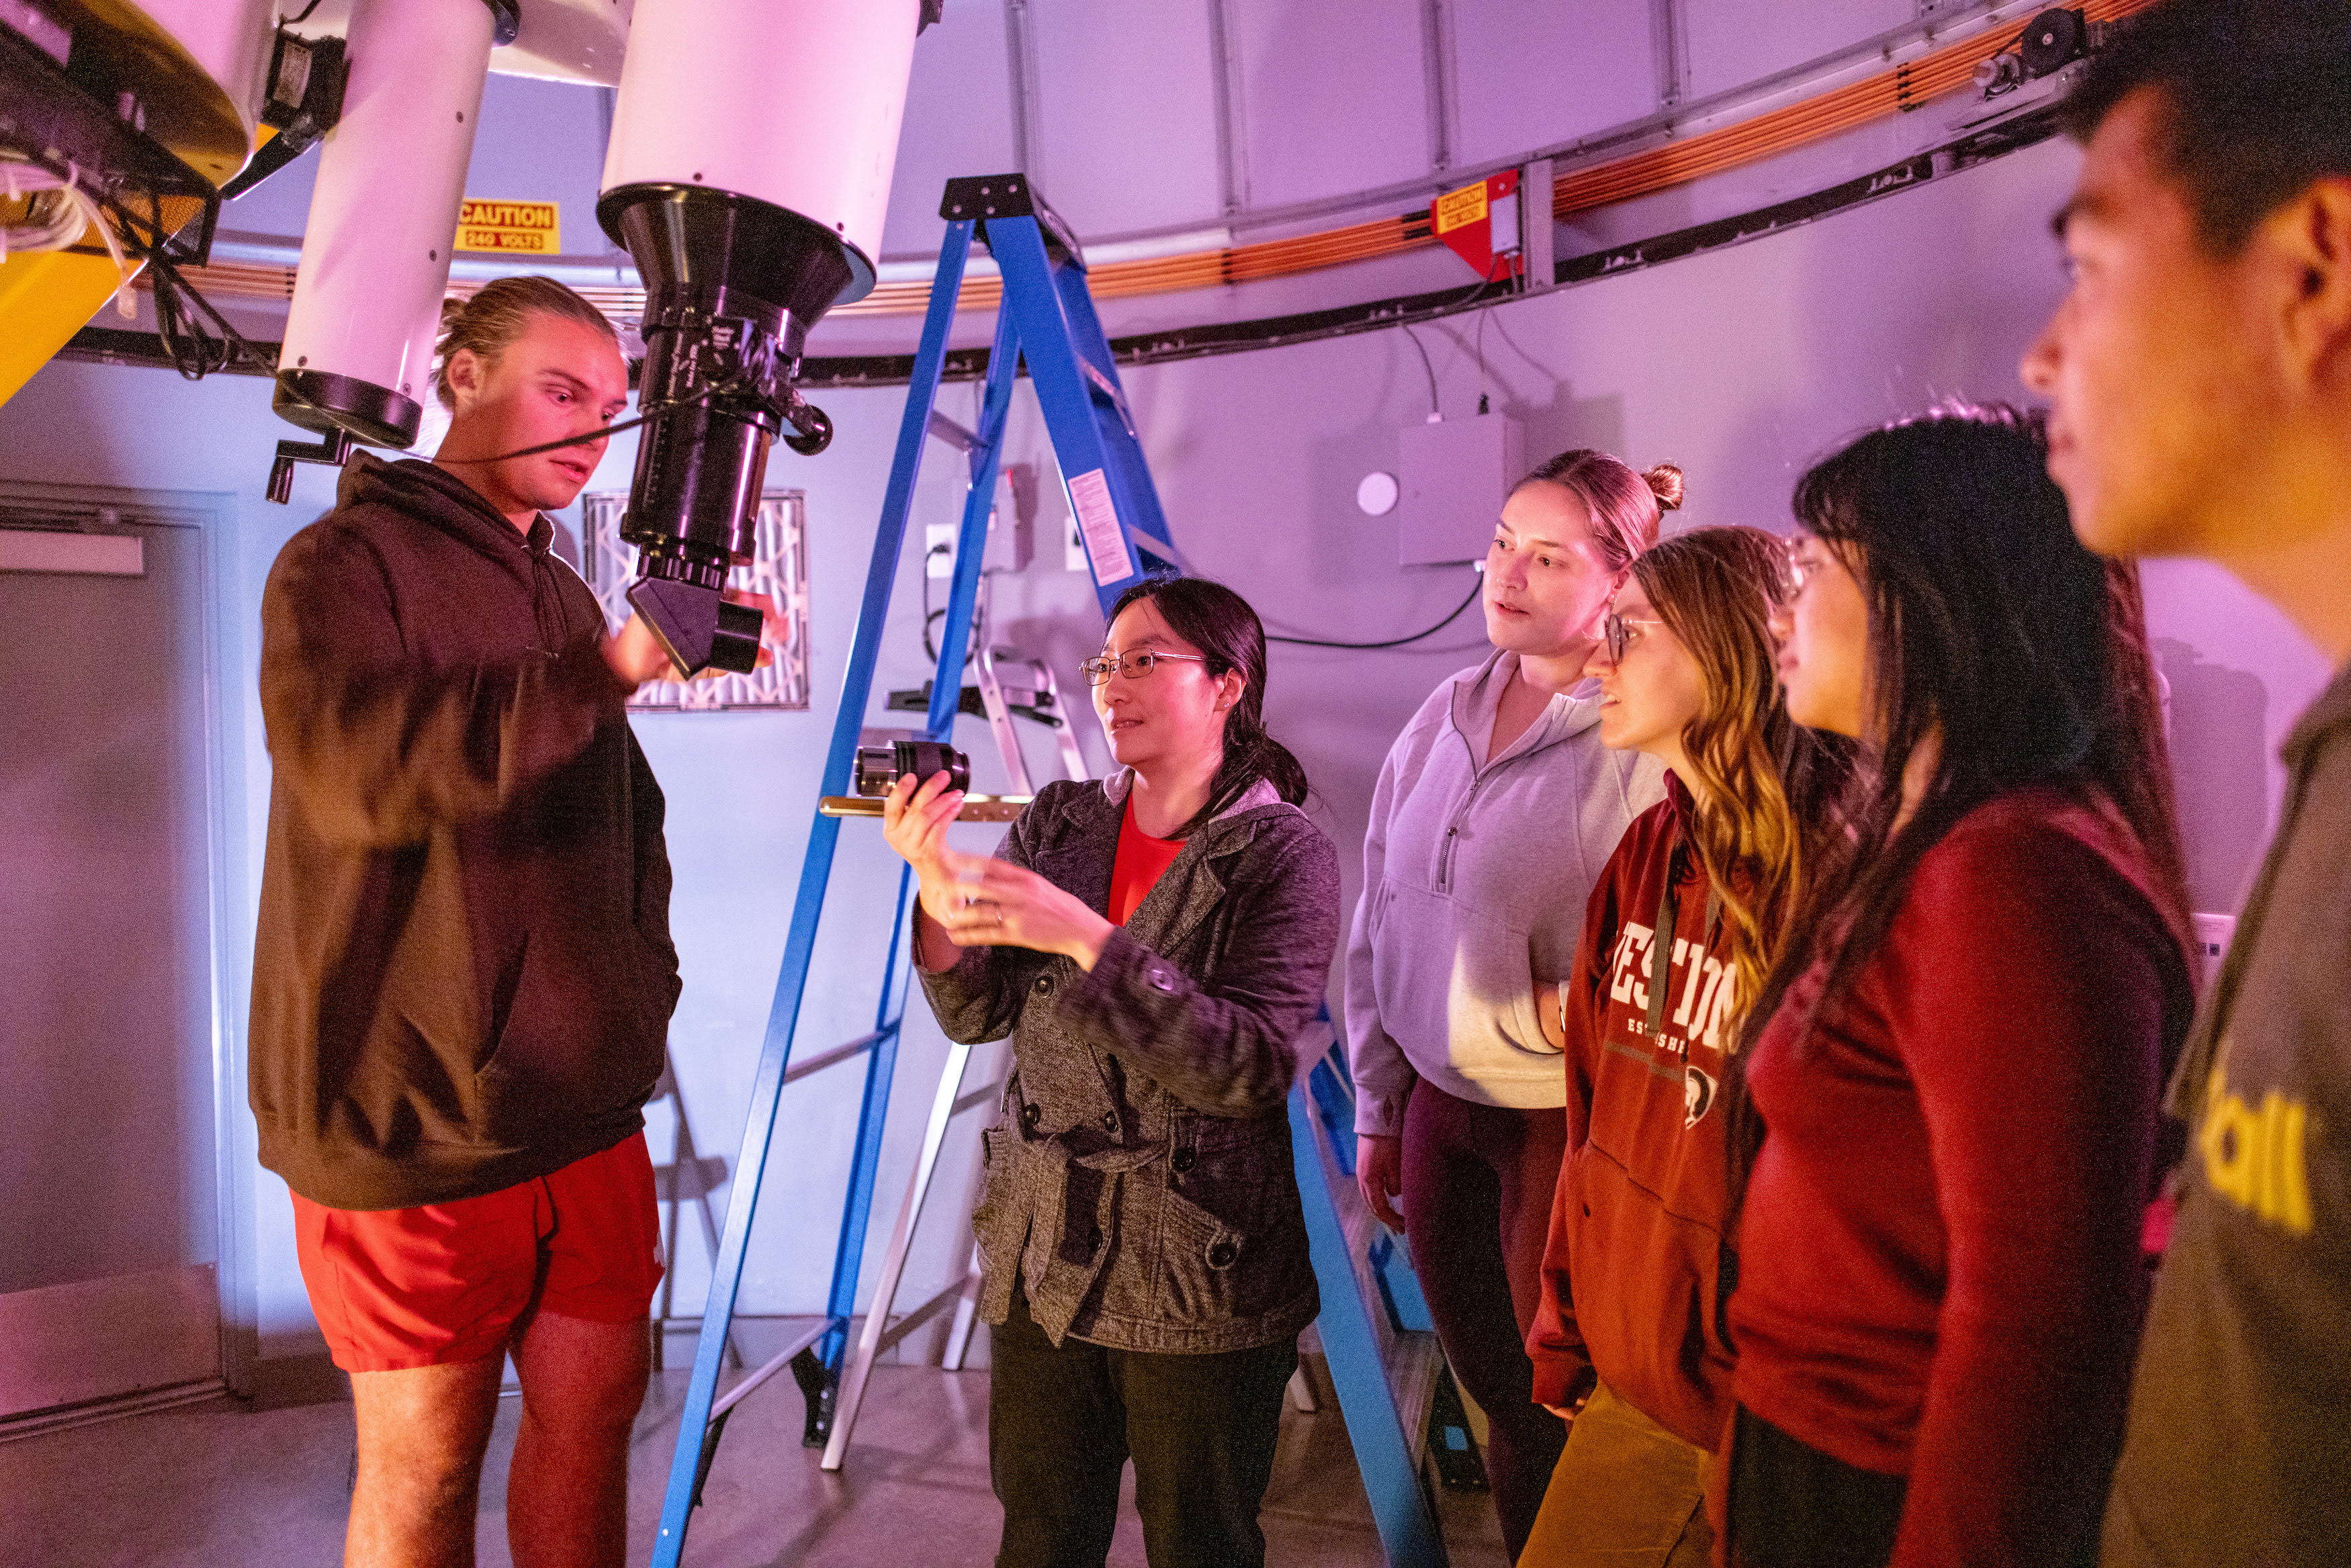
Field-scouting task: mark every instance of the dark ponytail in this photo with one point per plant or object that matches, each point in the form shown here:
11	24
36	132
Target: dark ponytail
1221	625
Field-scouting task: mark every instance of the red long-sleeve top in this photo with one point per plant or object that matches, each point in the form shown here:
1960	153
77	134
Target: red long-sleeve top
1940	1265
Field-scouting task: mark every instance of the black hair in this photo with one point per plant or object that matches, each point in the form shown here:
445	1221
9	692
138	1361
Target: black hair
2255	101
1220	624
1992	631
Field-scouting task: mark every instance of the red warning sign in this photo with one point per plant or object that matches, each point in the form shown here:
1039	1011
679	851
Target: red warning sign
1479	224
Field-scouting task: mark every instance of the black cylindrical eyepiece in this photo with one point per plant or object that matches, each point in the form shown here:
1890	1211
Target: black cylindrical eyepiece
879	767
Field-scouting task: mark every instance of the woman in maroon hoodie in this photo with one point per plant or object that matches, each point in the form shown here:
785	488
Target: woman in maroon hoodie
1631	1310
1955	1060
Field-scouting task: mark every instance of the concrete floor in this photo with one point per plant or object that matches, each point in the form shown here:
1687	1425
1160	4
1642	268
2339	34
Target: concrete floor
212	1484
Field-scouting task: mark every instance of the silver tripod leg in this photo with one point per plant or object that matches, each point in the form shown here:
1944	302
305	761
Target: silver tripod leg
1302	1392
885	1289
967	1312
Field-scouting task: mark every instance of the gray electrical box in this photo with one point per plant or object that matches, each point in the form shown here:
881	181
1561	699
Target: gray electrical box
1454	477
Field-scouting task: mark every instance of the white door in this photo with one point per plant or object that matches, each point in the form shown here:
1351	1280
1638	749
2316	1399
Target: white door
108	1224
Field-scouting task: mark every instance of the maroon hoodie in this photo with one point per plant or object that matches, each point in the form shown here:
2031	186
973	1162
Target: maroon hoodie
1630	1276
463	973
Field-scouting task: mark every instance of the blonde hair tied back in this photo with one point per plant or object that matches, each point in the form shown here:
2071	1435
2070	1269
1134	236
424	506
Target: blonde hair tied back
499	313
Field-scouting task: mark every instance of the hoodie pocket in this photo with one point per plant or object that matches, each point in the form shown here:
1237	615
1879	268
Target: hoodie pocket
1456	983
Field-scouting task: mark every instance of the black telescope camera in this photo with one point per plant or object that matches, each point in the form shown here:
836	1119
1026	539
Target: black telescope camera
879	767
732	285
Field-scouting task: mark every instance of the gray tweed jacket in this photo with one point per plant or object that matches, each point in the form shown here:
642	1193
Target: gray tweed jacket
1139	1182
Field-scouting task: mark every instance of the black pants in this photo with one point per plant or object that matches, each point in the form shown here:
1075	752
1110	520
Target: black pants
1062	1422
1792	1506
1477	1185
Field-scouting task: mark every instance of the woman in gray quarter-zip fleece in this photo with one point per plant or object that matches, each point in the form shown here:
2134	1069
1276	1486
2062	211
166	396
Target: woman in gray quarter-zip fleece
1153	944
1494	814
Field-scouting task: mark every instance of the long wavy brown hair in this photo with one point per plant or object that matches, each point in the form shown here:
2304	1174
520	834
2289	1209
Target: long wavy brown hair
1765	789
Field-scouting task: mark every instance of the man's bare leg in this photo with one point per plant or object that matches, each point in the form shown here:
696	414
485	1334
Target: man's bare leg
567	1494
422	1433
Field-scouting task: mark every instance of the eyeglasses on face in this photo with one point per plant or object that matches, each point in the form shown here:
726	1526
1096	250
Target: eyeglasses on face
1134	665
1617	633
1800	570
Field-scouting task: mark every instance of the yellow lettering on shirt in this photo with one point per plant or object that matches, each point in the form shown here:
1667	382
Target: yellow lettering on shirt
2256	1158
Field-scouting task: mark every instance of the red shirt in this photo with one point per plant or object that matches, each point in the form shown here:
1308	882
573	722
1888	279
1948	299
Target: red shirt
1141	860
1630	1282
1940	1268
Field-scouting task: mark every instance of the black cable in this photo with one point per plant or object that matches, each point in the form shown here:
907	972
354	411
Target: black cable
930	649
193	352
1425	365
298	21
1393	642
1476	289
1477	347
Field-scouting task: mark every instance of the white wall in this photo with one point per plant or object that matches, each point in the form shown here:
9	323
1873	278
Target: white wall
1740	365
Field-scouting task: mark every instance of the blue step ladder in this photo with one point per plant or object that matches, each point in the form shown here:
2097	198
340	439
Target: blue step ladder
1047	319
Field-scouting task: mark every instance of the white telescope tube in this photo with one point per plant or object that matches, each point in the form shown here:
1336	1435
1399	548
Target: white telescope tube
747	175
375	252
792	102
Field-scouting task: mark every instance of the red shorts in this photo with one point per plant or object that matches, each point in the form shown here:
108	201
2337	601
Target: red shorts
446	1282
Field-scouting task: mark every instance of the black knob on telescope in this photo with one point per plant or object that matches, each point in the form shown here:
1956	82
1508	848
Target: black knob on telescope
811	430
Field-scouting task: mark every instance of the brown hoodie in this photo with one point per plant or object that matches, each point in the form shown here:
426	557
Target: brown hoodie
463	975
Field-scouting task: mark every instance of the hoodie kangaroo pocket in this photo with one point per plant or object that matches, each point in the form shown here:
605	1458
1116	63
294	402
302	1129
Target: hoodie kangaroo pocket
1449	976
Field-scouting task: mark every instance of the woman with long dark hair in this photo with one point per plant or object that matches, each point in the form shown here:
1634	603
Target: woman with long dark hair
1494	812
1954	1065
1153	944
1681	929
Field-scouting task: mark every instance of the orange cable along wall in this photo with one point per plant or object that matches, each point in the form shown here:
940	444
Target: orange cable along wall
1905	86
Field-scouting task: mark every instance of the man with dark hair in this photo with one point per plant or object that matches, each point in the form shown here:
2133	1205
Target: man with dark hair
2199	373
463	975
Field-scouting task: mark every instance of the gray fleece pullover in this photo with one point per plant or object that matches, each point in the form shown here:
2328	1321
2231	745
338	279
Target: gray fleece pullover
1474	881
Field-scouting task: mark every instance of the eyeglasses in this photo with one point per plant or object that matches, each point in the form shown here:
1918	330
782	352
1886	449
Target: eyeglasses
1800	571
1134	665
1617	632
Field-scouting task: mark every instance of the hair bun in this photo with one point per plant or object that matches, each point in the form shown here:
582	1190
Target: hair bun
1665	482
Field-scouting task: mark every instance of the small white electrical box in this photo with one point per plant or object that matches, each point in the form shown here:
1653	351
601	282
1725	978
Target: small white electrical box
1455	476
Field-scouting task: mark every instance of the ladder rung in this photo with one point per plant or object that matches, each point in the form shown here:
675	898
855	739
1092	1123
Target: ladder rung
1106	390
977	1098
769	1368
953	434
919	1316
823	1059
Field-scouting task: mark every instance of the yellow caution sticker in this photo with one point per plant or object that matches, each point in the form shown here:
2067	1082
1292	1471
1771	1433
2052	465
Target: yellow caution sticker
1455	208
526	228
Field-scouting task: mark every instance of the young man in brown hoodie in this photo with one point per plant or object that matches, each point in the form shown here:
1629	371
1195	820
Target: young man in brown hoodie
463	975
2200	378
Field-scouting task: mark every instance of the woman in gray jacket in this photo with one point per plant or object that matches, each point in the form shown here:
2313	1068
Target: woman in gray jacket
1153	944
1493	816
